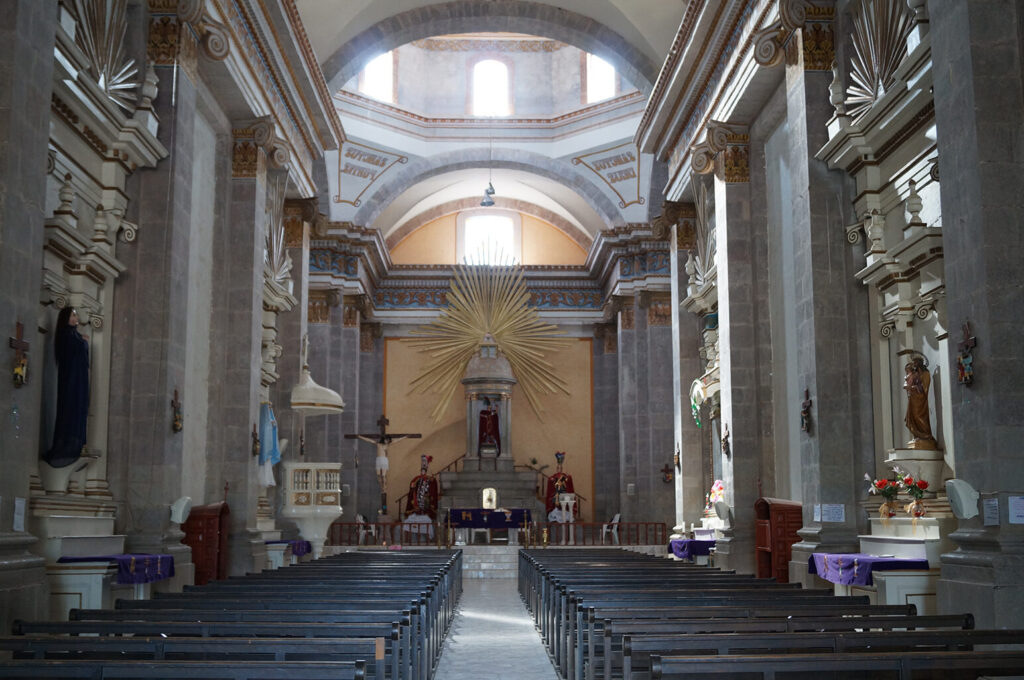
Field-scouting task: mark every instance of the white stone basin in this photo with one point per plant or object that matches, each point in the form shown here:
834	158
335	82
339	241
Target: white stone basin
919	464
50	526
82	546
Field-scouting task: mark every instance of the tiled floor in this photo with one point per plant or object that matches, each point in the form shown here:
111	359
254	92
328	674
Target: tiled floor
493	637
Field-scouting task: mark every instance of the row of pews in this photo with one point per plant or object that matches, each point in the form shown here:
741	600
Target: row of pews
354	615
609	614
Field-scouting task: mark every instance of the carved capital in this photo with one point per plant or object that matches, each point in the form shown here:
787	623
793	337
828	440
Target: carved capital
770	41
659	312
368	335
736	159
247	158
318	309
818	39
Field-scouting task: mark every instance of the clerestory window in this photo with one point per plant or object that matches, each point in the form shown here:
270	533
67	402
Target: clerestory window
491	89
378	78
600	79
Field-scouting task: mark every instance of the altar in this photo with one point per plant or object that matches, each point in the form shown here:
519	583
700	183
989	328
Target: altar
463	520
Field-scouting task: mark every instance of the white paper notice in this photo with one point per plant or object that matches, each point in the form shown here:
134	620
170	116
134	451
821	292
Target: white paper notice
990	511
1016	508
833	512
19	514
817	512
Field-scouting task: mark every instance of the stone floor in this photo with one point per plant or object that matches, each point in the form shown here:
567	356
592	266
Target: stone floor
493	637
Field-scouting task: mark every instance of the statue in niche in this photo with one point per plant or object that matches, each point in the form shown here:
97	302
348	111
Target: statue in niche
916	383
72	353
489	437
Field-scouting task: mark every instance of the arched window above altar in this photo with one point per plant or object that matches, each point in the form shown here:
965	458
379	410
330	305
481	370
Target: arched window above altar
489	237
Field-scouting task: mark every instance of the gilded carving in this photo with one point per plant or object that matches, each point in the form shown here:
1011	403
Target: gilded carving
350	316
368	334
686	234
293	225
819	39
245	154
626	320
736	160
318	310
659	313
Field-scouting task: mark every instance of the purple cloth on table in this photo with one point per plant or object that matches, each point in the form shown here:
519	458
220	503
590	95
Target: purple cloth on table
688	548
299	548
856	568
480	518
133	567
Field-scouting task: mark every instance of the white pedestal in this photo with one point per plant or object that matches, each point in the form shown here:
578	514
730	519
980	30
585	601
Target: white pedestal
278	555
312	499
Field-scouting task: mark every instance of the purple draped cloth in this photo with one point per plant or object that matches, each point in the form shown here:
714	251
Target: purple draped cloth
856	568
299	548
480	518
688	548
133	567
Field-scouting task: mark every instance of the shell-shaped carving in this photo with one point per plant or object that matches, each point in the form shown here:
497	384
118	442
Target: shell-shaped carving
880	30
216	44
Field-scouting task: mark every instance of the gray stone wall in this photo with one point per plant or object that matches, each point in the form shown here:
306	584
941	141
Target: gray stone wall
977	52
26	68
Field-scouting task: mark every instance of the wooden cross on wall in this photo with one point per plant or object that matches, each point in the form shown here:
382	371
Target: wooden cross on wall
20	347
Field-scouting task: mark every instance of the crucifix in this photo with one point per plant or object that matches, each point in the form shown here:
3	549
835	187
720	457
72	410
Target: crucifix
20	347
805	412
965	359
382	439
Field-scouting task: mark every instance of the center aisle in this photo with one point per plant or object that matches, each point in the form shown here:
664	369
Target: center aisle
493	637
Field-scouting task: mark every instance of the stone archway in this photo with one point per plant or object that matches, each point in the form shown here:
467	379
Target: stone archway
513	159
469	16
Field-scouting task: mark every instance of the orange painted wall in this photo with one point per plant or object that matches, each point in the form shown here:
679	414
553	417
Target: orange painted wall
544	243
433	243
567	422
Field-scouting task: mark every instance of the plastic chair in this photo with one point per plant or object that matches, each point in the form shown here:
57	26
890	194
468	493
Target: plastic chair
365	530
611	528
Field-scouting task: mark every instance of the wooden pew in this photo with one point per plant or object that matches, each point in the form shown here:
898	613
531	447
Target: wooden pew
638	649
172	670
949	665
195	649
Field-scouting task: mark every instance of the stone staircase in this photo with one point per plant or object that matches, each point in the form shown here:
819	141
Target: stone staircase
490	561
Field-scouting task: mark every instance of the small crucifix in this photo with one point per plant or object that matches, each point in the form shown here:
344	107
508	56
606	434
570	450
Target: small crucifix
255	440
20	347
805	412
965	359
382	439
176	423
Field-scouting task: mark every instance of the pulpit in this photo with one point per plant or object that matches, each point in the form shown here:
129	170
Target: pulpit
312	493
776	523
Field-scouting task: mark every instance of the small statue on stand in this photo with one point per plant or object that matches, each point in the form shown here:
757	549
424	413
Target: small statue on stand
423	492
558	483
489	438
916	383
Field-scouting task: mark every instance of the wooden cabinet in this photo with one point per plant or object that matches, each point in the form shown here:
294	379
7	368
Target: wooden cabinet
206	532
776	523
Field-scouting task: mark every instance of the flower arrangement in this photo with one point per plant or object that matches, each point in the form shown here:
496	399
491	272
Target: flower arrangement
887	489
916	489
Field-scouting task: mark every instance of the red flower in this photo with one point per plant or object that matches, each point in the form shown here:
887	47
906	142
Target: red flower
908	480
881	483
921	484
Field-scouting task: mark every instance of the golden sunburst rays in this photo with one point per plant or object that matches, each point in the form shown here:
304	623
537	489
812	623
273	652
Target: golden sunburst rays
488	299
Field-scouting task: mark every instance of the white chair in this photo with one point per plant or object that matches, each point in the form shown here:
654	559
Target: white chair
366	530
611	528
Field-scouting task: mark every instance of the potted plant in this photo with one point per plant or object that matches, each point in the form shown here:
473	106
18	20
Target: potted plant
887	489
915	489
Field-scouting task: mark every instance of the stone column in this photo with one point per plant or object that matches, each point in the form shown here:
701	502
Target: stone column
831	318
741	442
686	366
26	69
147	464
238	257
979	110
606	417
645	408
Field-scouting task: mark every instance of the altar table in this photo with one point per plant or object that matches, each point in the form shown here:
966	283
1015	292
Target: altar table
483	518
299	547
133	568
689	548
856	568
